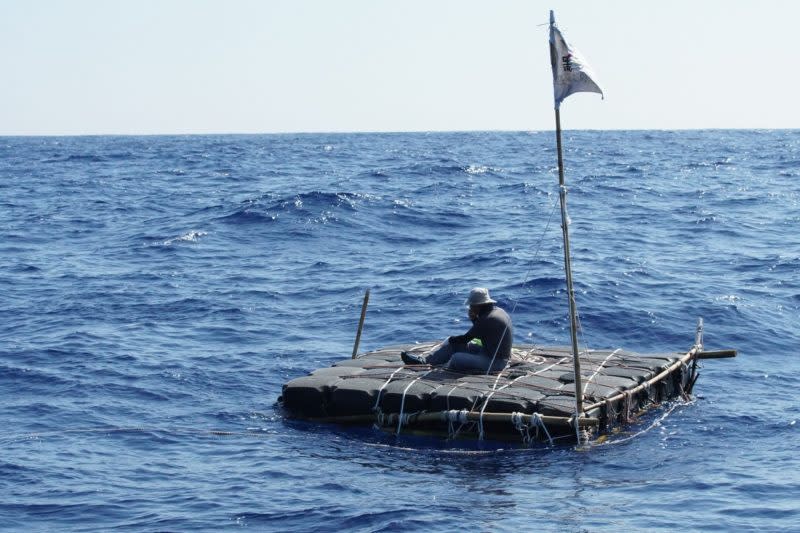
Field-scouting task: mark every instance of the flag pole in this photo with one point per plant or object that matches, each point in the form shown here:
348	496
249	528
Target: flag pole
573	320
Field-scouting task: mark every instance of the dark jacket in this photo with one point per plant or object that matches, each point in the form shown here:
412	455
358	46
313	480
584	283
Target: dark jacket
493	327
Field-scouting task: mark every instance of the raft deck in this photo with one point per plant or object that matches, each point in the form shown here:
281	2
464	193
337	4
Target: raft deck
531	399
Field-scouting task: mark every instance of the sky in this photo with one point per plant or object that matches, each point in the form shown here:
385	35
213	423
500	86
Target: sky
271	66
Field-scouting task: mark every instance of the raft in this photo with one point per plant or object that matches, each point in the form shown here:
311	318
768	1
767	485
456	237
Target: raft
532	399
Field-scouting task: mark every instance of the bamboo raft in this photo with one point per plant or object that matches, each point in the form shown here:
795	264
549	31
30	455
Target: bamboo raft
532	399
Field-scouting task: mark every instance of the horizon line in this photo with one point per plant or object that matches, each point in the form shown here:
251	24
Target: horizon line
377	132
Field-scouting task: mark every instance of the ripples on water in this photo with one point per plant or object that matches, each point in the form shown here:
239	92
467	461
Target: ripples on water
158	291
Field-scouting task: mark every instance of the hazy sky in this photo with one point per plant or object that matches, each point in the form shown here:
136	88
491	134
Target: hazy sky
236	66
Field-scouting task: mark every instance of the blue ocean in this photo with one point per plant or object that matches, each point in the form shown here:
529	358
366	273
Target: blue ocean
156	292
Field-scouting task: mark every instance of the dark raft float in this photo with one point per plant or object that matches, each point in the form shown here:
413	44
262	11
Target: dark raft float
544	393
532	399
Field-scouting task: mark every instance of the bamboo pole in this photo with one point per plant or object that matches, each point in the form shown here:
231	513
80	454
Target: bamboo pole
690	355
716	354
573	319
361	323
472	416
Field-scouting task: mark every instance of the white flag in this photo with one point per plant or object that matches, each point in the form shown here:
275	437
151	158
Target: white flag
571	73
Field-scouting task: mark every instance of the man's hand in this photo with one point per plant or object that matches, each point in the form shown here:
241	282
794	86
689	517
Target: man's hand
457	339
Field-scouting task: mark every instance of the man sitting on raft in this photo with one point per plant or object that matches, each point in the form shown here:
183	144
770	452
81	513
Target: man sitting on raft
486	347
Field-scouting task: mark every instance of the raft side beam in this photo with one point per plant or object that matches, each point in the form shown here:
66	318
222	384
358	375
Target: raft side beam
472	416
716	354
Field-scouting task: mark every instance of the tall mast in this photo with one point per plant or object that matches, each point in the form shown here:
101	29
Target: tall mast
571	74
573	313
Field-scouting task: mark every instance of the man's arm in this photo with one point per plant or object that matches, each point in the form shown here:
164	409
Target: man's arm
473	333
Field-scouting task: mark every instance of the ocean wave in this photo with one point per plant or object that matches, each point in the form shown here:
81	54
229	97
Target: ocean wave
77	158
191	236
248	215
25	268
34	376
478	170
315	206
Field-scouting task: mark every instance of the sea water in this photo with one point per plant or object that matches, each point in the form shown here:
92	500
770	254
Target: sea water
156	292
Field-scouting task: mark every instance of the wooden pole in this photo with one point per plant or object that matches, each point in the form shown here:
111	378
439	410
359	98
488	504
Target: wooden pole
573	314
716	354
361	323
684	360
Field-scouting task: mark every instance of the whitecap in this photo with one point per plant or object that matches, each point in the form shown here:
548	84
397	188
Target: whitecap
477	169
191	236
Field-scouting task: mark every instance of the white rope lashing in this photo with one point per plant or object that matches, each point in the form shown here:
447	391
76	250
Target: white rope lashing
403	400
599	368
376	408
524	429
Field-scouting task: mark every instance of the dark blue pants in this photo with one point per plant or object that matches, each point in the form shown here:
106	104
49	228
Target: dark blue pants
464	357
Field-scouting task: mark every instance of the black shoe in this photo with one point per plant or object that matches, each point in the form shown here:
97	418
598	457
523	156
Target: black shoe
410	359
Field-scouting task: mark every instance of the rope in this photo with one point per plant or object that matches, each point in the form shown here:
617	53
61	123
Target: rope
516	420
447	397
524	429
611	413
524	282
376	407
562	360
536	419
403	400
681	390
655	423
453	416
599	368
535	255
494	390
489	397
628	405
451	432
379	420
497	348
